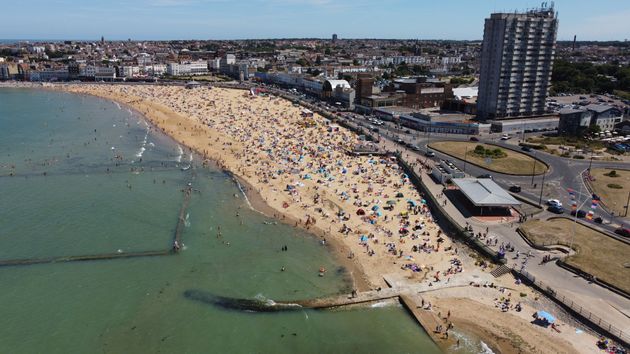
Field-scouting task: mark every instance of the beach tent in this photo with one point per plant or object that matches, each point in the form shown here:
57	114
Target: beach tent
360	212
546	316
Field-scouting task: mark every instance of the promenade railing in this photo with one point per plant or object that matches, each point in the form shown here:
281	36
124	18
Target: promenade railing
596	322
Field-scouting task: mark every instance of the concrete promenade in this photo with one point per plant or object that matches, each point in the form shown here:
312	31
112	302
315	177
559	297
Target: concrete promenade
597	300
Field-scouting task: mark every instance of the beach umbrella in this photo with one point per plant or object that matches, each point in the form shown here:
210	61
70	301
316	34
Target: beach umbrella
546	315
375	208
409	201
378	213
400	195
360	212
391	202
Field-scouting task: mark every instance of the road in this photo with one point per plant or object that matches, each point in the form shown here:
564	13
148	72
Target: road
563	174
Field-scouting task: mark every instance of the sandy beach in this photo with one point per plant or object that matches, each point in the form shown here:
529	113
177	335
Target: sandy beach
298	169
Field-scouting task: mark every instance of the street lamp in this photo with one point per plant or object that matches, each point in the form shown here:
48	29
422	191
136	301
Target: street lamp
465	158
533	167
590	163
542	186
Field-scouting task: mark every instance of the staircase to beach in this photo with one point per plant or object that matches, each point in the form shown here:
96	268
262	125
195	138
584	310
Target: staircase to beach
500	270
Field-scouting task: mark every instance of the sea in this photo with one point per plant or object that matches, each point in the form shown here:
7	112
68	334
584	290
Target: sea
82	176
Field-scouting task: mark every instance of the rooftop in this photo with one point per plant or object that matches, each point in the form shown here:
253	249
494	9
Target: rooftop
484	192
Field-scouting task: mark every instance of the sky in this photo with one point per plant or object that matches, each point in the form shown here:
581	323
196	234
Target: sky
242	19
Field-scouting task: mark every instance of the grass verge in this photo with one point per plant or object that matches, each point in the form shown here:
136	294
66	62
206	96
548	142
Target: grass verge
514	163
596	253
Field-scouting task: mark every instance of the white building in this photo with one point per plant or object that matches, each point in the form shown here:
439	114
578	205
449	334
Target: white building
192	68
516	63
229	59
128	71
215	64
144	59
155	69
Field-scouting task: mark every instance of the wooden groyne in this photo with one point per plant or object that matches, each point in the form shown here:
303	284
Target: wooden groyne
82	258
181	220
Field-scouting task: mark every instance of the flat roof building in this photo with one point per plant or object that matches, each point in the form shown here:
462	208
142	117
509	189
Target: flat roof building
485	197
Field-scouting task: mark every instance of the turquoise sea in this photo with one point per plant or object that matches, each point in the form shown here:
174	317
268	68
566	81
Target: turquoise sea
83	176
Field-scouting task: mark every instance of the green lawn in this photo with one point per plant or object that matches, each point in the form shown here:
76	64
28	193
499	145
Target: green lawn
596	253
514	163
615	199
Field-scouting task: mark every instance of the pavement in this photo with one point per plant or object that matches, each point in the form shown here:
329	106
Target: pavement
563	173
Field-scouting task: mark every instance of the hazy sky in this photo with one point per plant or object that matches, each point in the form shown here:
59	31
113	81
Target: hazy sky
236	19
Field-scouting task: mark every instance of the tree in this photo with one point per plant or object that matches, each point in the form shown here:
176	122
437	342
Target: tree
593	129
302	62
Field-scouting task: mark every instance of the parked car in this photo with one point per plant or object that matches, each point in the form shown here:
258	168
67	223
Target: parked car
515	189
429	153
552	202
596	197
526	148
414	147
580	213
472	138
556	209
485	176
598	220
623	231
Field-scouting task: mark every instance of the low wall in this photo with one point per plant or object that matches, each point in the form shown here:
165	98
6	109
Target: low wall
586	317
447	223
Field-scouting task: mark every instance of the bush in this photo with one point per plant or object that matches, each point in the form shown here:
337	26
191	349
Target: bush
565	154
523	294
614	186
579	157
480	150
612	173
